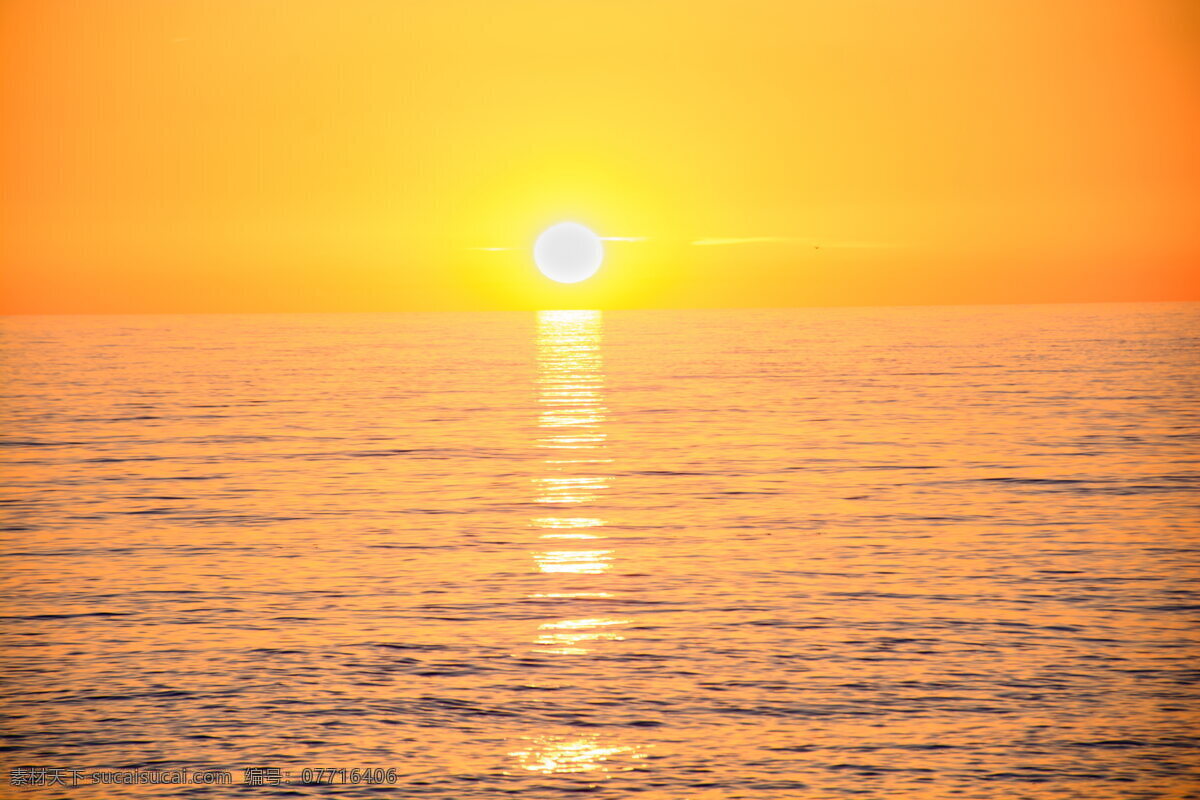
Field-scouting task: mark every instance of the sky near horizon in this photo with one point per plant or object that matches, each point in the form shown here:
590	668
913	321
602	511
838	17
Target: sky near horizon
295	155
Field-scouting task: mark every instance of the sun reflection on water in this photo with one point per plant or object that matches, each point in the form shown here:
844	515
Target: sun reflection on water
573	754
579	562
571	429
570	394
568	635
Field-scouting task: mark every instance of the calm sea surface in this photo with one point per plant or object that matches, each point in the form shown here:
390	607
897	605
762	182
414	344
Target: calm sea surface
901	553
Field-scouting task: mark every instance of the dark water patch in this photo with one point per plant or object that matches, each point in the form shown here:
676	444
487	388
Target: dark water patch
87	552
215	520
123	460
1030	481
164	694
182	477
135	592
409	546
37	617
871	467
411	646
38	443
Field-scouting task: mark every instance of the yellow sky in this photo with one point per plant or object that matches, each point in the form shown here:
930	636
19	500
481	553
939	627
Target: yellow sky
294	155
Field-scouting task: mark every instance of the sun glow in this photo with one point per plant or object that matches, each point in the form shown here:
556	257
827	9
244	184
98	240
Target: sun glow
568	252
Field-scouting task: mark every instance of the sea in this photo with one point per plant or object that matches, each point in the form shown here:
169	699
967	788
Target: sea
920	552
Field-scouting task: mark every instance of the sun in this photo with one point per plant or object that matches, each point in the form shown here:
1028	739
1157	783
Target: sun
568	252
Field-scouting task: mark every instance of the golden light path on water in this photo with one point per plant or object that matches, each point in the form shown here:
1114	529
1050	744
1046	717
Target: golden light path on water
570	397
562	755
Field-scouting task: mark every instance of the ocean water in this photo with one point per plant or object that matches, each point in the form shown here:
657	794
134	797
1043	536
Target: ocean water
893	553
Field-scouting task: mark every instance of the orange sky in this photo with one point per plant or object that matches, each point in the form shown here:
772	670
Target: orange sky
295	155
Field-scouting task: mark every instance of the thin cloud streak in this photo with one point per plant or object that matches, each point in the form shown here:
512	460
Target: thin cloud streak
623	238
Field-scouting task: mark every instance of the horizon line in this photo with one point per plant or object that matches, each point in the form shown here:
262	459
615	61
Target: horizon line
592	308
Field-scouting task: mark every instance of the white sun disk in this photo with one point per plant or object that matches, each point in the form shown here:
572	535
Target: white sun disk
568	252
